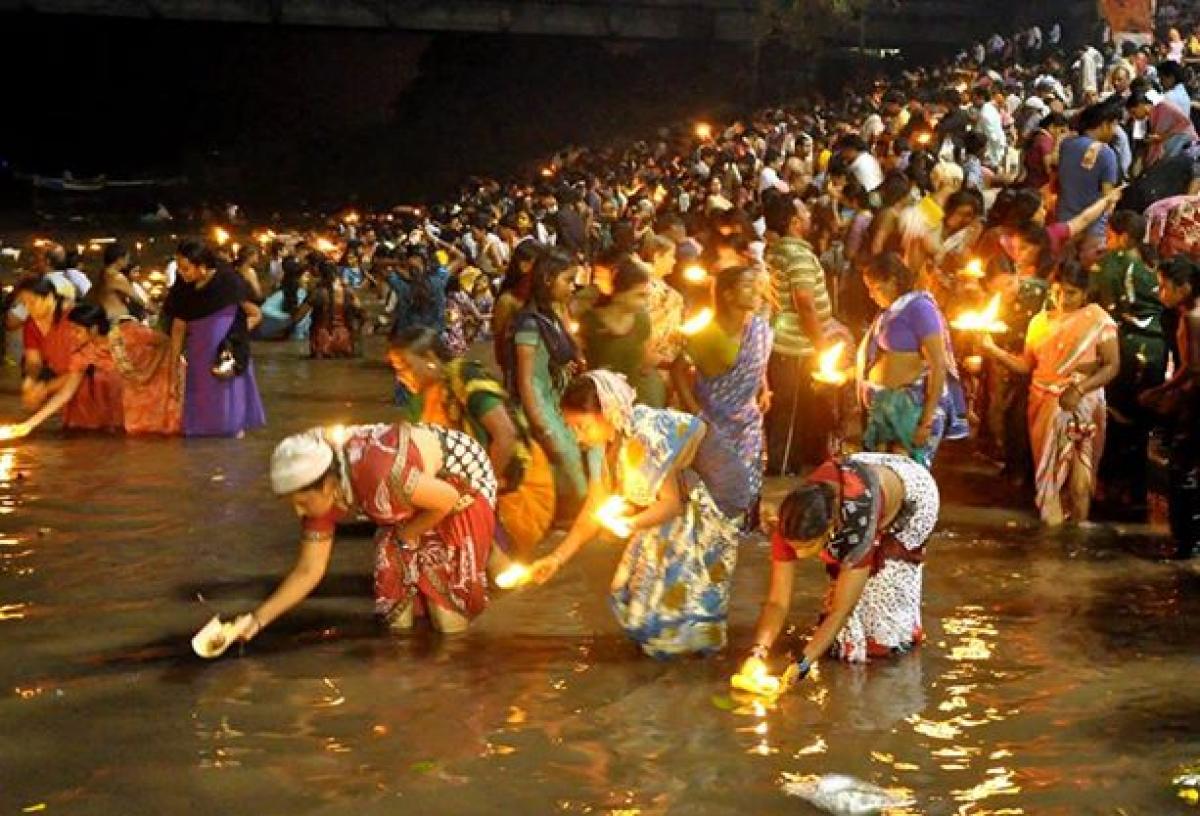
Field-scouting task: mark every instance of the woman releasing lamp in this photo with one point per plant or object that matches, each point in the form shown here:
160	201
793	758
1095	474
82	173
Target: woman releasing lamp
686	490
616	333
907	379
460	394
722	377
51	342
1072	354
137	356
1176	403
431	492
867	517
209	309
540	359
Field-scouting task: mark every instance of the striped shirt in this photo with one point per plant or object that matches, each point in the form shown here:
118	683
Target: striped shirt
795	268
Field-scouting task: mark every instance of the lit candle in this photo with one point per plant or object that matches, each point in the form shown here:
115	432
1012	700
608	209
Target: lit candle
221	236
547	172
973	269
924	139
515	575
698	322
828	369
984	322
703	131
695	274
336	434
757	681
973	363
613	516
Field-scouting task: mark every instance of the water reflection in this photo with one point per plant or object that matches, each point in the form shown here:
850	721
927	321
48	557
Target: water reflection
1046	687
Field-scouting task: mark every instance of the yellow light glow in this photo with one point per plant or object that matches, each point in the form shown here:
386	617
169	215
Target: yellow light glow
220	235
973	363
265	237
41	242
156	276
698	322
336	434
324	245
703	131
829	369
351	217
515	575
695	274
924	139
613	515
973	269
757	681
984	322
547	172
573	327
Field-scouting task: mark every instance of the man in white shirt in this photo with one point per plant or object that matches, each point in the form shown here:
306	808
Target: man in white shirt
990	125
859	162
65	271
1170	75
769	177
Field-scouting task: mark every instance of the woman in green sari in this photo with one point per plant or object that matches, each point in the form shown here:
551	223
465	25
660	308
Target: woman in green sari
541	357
1125	286
616	333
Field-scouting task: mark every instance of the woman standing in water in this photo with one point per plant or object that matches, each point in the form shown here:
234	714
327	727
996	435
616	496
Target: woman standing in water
515	291
867	517
460	394
336	315
1072	353
140	356
430	490
907	380
543	358
728	389
209	309
687	490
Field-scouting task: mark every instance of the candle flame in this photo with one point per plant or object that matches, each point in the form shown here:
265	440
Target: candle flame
984	322
515	575
828	365
336	434
698	322
703	131
695	274
220	235
613	516
973	269
758	681
265	237
351	217
547	172
324	245
924	138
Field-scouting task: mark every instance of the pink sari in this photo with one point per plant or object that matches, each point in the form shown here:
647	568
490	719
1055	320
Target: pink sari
1065	441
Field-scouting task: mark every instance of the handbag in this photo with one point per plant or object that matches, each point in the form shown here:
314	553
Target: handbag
226	366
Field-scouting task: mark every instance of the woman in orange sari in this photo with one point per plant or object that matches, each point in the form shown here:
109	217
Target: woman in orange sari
1071	351
136	356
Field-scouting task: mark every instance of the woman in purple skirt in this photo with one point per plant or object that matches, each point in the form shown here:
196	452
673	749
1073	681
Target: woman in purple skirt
209	307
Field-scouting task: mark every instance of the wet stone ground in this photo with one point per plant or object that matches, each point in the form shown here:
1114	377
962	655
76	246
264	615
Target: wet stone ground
1059	676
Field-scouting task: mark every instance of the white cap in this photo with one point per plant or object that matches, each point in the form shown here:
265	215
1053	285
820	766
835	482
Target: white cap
299	461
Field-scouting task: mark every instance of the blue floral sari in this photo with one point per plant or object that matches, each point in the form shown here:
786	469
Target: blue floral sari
671	589
729	401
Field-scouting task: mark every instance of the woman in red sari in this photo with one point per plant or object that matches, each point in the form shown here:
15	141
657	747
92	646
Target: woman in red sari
151	393
51	341
431	491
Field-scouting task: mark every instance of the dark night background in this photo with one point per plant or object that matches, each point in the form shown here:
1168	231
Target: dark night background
286	118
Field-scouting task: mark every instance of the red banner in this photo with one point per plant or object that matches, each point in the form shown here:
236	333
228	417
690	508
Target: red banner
1129	15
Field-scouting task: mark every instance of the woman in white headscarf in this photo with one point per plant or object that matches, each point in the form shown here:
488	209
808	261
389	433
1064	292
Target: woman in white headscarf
431	491
685	490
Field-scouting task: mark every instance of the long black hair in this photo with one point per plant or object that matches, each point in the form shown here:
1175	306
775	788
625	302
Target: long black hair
41	287
90	315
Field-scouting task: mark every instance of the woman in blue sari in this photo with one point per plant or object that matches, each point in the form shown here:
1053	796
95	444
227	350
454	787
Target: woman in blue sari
685	490
908	383
728	388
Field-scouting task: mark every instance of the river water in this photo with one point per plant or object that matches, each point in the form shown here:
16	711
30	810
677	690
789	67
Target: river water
1059	676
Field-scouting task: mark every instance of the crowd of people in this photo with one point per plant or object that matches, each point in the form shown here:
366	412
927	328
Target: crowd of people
1008	239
